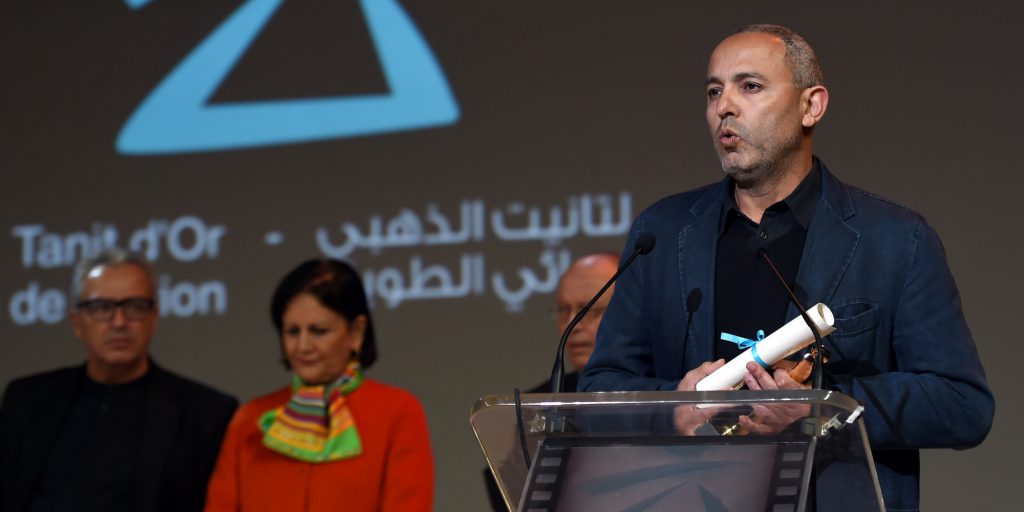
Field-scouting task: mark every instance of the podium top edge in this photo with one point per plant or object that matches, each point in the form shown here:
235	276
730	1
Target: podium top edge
666	398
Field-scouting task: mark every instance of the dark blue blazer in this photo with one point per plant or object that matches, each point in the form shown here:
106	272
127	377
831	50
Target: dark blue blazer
183	423
901	344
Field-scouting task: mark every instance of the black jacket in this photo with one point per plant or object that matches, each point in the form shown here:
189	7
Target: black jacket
183	424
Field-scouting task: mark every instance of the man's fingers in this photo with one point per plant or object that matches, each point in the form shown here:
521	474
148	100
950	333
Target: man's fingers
784	381
785	365
751	381
709	367
757	378
692	377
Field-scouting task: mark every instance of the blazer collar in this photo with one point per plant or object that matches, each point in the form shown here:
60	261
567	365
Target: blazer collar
697	250
830	245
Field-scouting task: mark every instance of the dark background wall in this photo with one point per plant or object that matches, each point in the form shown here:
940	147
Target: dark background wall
556	103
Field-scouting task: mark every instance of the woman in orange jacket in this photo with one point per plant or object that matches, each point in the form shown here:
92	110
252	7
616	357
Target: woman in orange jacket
333	440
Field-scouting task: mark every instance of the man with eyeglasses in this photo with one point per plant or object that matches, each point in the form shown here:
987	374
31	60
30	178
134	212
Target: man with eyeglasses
580	282
118	433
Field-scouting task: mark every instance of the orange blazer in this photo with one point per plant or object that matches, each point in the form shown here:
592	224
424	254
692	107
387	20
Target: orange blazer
395	472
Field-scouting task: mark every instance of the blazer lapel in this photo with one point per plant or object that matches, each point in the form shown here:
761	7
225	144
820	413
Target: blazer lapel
830	245
159	425
697	248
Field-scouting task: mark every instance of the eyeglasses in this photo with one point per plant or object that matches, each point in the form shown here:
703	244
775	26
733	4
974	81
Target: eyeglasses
563	314
102	310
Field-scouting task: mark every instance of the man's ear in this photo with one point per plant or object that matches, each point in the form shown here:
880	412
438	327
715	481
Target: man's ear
75	319
815	102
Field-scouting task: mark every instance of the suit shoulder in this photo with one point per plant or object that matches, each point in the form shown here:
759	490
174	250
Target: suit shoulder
387	408
380	390
196	392
876	208
678	203
40	382
386	400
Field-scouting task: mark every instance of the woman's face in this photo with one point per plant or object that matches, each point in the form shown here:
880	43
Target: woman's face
318	341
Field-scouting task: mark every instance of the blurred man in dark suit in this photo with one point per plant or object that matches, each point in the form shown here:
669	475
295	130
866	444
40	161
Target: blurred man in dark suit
118	433
580	282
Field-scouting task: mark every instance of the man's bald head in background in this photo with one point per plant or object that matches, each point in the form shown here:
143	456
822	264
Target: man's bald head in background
580	282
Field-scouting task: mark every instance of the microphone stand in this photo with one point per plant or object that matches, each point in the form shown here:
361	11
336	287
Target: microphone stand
816	377
814	422
644	244
556	422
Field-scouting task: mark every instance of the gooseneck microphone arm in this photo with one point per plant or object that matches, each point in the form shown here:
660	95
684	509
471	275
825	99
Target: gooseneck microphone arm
816	370
644	244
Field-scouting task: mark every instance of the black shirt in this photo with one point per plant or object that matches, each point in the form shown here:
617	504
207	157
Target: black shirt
92	463
748	296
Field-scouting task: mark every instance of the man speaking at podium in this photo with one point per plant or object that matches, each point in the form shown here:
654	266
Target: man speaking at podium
901	344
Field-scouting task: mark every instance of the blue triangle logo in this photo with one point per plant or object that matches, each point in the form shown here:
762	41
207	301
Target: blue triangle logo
175	118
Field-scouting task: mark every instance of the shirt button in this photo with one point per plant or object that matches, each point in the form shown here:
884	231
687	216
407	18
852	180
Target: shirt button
763	235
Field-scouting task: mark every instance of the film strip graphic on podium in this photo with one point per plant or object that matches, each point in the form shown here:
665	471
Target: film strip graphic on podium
666	473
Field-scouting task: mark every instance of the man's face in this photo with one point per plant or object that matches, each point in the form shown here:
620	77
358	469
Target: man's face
577	287
121	341
753	107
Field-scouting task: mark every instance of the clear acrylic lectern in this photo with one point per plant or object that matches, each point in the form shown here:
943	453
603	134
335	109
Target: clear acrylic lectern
650	451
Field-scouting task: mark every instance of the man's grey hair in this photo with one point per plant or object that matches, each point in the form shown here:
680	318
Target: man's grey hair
799	54
109	257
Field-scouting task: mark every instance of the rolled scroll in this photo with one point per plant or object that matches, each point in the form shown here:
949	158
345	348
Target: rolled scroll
790	338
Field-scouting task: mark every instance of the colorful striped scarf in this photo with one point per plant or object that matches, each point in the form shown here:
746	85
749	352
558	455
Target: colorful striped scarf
316	424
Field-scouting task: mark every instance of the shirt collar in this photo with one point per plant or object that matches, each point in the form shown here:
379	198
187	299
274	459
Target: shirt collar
801	201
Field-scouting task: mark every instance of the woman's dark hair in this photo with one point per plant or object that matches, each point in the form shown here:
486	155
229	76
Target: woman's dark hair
338	287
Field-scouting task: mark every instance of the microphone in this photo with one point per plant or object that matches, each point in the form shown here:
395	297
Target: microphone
693	300
644	244
816	378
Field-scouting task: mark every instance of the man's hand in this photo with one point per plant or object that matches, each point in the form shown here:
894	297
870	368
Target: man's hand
758	378
692	377
774	418
688	417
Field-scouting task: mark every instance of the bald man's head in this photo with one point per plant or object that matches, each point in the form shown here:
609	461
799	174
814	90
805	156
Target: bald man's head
580	282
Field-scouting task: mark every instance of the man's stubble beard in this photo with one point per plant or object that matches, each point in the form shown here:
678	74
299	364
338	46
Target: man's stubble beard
773	159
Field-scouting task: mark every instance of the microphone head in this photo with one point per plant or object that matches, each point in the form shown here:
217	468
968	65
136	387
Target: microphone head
693	300
644	243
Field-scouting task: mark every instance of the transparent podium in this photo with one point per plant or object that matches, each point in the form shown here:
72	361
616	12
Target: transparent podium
652	451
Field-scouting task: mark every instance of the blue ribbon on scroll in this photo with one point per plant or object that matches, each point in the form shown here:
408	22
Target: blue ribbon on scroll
745	343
